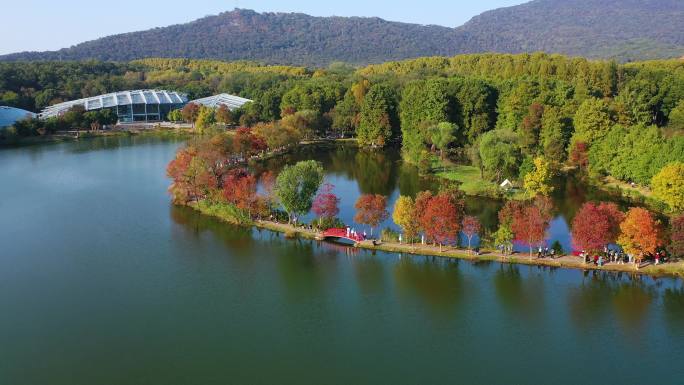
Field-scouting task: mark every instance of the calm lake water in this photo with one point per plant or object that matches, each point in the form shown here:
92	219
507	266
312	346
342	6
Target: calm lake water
102	281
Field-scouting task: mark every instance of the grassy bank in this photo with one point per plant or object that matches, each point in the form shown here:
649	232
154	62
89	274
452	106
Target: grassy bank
469	178
159	132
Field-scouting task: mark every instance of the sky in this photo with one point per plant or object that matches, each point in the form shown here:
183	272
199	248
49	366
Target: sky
39	25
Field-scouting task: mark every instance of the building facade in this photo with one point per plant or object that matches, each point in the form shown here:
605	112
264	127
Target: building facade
129	106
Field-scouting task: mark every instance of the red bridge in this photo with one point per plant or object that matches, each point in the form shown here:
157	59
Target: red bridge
342	234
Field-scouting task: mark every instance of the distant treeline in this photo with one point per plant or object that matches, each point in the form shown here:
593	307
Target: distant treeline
523	106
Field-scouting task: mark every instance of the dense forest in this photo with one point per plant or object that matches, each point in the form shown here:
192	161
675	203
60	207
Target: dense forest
506	114
624	30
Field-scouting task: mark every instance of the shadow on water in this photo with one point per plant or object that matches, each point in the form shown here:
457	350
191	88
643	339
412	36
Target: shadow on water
370	273
673	305
522	296
306	271
611	297
194	225
436	282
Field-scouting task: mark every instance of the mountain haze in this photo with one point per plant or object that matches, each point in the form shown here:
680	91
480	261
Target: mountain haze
620	29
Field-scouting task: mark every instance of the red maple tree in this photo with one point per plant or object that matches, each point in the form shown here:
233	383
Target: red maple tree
471	227
677	236
326	203
246	143
529	224
579	155
371	210
596	225
440	220
239	188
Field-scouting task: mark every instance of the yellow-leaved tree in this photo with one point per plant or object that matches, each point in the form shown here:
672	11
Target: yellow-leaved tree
668	186
538	181
405	216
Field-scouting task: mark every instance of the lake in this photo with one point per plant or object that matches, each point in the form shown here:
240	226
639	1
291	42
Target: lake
103	281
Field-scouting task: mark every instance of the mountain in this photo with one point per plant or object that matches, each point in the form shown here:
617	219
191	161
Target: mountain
621	29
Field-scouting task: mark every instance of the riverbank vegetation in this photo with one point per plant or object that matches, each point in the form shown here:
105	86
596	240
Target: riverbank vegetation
212	175
495	112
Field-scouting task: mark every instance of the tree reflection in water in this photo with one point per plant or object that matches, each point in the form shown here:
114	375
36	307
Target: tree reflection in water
523	296
605	295
436	282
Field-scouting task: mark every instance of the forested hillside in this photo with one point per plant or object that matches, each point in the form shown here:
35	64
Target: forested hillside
499	112
624	30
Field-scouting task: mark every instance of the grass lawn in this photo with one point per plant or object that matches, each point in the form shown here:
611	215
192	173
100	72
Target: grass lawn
469	177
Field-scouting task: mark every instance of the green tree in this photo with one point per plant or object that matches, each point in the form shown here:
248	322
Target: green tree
175	115
676	117
442	135
592	121
423	103
296	186
345	115
378	116
553	137
668	186
500	155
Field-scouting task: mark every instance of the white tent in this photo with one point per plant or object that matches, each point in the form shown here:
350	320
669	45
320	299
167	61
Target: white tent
506	184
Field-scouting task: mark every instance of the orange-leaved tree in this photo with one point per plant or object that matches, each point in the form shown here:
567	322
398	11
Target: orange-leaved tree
640	233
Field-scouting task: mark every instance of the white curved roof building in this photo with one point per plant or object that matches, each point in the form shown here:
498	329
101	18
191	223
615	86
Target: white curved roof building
129	106
9	115
230	101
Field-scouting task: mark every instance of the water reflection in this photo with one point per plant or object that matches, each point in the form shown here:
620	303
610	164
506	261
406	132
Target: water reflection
523	296
673	305
370	274
436	282
238	238
604	295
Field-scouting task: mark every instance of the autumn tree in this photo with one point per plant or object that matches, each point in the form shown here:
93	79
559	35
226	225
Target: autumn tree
677	236
640	233
224	115
471	227
579	155
206	118
239	188
440	220
190	112
268	180
539	180
530	129
668	186
530	222
371	210
246	143
296	186
180	188
326	203
406	216
596	225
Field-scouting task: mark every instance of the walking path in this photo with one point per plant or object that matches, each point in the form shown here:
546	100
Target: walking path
566	261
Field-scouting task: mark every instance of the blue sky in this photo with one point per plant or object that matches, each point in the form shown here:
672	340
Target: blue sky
37	25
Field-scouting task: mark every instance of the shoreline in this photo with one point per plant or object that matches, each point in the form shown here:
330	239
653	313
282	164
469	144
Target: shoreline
672	269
